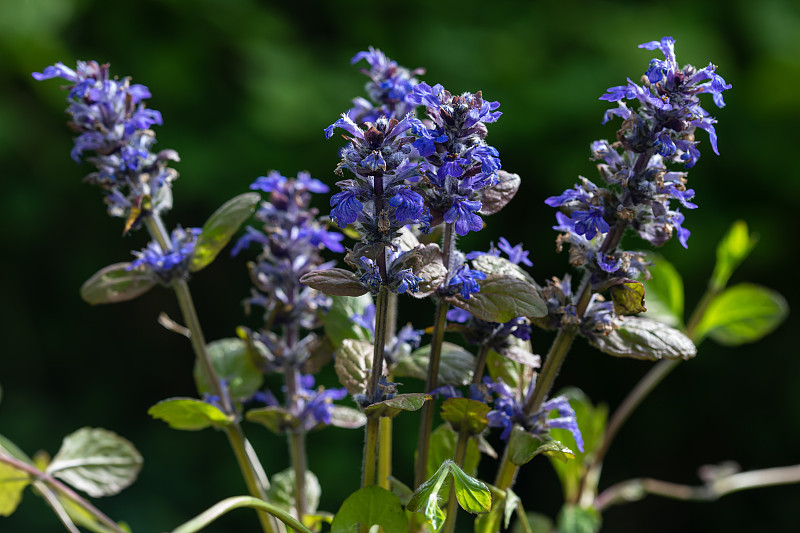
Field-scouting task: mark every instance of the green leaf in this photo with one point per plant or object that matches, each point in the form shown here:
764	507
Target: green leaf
515	375
628	298
282	490
463	413
443	447
115	283
13	450
472	494
394	406
369	506
83	518
574	519
353	365
455	366
734	248
189	414
338	322
426	498
97	461
743	313
492	264
12	484
642	338
664	292
335	282
502	298
220	227
346	417
233	362
274	418
523	446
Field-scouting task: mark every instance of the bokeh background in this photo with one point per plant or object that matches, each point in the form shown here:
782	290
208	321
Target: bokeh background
247	86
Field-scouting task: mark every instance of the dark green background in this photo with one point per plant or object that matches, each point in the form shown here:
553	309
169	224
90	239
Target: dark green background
245	87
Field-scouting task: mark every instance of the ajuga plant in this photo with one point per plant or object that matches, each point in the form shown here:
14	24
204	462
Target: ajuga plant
415	172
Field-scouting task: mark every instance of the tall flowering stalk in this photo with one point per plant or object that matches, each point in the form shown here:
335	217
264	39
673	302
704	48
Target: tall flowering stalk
639	190
113	125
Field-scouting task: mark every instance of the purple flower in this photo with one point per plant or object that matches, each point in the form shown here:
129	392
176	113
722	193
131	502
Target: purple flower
462	213
465	281
346	207
515	254
168	265
408	204
589	223
113	124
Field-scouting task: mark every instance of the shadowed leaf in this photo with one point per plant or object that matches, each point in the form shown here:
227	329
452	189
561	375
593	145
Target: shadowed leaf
335	282
115	283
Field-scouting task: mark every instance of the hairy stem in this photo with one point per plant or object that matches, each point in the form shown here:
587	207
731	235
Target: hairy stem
452	502
297	444
385	430
636	489
370	445
432	379
374	390
251	469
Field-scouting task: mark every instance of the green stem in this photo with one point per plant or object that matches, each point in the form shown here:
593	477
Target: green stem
370	445
229	504
480	364
550	369
249	466
426	418
374	392
62	489
385	430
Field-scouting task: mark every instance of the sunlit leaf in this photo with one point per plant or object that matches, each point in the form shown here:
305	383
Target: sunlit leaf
116	283
734	248
275	418
443	447
472	494
642	338
12	485
502	298
394	406
369	506
455	366
234	365
189	414
466	414
664	292
353	365
282	490
523	446
96	461
221	227
743	313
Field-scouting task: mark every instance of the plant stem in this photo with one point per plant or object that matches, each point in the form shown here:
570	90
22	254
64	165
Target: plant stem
385	430
62	489
552	365
297	441
251	469
426	418
432	380
480	363
373	391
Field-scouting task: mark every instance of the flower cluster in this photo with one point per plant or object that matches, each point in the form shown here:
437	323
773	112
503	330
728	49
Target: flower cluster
113	125
168	265
509	409
388	88
458	164
292	238
310	407
639	184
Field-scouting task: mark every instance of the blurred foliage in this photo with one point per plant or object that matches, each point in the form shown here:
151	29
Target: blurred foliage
247	86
